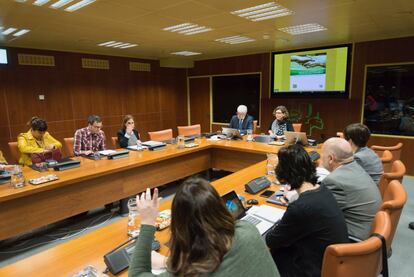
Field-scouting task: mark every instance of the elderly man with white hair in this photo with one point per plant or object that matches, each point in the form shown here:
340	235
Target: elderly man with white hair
241	121
354	190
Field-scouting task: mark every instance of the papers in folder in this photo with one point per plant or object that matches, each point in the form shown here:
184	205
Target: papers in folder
268	213
137	147
107	152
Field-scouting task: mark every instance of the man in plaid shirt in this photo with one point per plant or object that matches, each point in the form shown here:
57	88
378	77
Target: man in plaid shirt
90	139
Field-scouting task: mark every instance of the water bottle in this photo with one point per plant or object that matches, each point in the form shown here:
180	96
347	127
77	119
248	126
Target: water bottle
17	178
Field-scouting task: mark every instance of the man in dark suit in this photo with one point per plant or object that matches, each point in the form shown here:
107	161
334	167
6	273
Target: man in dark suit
354	190
241	121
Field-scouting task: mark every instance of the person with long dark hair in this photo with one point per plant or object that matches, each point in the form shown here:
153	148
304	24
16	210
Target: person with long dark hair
128	135
205	238
36	140
310	224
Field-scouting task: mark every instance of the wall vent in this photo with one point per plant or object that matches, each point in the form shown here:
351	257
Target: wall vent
136	66
95	63
38	60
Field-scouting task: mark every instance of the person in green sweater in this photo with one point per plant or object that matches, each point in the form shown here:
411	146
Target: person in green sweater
205	238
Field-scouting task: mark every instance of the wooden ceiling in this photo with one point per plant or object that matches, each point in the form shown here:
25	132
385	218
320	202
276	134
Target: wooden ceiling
141	22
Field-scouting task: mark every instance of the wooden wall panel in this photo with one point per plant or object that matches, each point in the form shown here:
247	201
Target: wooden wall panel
158	99
320	117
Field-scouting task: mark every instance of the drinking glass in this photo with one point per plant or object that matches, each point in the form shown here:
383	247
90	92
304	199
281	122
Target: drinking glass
133	218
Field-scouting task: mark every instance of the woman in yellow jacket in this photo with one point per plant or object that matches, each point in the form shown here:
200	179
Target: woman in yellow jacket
36	140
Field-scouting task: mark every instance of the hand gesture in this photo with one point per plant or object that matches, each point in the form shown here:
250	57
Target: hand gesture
148	207
50	147
158	261
129	129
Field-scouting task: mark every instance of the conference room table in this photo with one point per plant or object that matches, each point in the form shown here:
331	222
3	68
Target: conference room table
98	182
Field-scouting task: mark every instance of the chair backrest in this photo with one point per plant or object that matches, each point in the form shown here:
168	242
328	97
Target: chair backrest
340	134
161	135
115	142
254	126
188	131
396	150
69	146
14	150
397	172
297	127
386	159
394	200
358	259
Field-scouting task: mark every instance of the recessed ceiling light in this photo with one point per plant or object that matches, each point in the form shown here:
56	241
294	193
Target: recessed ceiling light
185	53
40	2
60	4
79	5
235	39
303	29
128	46
187	29
106	43
263	12
20	1
8	31
21	32
117	44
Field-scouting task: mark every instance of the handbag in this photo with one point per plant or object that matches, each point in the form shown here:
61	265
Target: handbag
54	154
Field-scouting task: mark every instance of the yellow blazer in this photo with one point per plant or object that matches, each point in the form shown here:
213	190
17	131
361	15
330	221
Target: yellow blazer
2	159
28	144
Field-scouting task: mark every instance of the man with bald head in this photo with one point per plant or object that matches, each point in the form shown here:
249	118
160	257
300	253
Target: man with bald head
355	191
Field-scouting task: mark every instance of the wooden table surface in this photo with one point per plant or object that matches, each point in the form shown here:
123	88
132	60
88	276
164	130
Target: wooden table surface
70	257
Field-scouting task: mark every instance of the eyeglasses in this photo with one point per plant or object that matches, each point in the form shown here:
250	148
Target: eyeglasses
130	123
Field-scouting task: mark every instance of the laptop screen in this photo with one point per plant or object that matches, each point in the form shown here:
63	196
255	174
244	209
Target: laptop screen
234	205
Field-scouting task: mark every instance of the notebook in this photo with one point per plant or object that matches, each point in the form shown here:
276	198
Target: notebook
263	216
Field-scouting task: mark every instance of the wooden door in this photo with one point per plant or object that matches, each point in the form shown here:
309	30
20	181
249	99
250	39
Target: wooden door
199	92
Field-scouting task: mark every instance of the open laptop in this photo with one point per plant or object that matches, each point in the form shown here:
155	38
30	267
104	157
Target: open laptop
231	133
263	217
296	137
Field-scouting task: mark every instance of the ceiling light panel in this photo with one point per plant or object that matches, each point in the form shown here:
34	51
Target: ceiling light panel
235	39
188	29
185	53
8	31
11	30
303	29
263	12
117	44
71	5
79	5
40	2
21	32
60	4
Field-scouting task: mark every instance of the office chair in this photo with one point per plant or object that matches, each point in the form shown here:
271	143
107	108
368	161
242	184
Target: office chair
188	131
161	135
358	259
14	150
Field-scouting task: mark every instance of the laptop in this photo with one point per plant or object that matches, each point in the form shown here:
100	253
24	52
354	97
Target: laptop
231	133
263	217
296	137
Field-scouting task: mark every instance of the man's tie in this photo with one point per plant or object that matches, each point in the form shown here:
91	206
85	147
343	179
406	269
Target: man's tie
240	124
